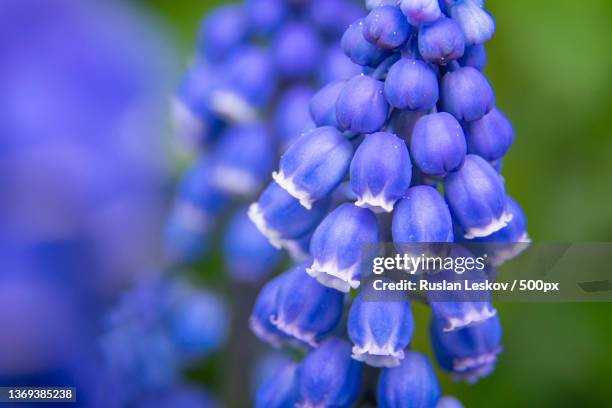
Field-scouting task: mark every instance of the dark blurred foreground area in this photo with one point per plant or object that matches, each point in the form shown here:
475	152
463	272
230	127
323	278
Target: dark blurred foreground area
81	177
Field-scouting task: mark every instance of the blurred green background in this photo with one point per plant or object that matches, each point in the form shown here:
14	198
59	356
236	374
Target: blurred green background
551	65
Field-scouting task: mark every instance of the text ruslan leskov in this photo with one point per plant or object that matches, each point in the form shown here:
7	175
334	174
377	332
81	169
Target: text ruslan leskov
522	285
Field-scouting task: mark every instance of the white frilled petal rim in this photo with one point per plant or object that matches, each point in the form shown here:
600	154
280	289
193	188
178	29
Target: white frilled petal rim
289	186
377	203
292	330
235	181
263	334
378	356
294	248
471	363
256	215
487	230
232	106
512	251
329	274
472	376
474	316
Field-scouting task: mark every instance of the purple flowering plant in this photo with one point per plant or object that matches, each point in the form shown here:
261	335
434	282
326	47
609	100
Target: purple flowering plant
244	99
408	150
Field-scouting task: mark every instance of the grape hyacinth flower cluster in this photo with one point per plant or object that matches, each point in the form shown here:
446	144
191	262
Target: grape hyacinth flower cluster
244	99
158	327
410	151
